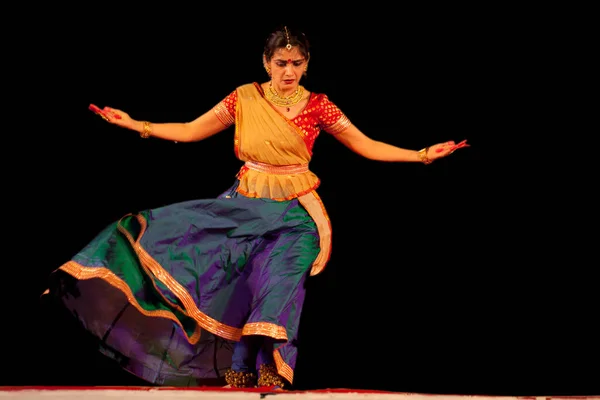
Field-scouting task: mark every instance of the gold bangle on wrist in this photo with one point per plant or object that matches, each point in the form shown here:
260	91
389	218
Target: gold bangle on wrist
423	156
146	131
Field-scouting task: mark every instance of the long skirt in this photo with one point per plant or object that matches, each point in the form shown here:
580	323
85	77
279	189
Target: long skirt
169	291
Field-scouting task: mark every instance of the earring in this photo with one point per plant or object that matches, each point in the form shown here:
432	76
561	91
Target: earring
267	69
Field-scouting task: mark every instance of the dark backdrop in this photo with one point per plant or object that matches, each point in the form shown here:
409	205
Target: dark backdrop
432	286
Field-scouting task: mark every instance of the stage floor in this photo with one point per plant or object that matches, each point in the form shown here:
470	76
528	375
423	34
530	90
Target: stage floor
167	393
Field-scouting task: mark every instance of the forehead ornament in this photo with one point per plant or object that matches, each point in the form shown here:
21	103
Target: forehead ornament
287	38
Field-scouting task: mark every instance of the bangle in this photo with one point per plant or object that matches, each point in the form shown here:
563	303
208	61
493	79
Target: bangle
423	156
146	131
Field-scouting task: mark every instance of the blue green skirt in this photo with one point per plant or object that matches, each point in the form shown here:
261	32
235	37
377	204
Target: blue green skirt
168	291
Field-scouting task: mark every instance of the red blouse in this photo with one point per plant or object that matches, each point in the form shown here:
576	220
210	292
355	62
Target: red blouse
318	114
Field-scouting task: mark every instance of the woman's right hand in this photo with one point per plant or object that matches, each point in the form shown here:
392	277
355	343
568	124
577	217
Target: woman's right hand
118	117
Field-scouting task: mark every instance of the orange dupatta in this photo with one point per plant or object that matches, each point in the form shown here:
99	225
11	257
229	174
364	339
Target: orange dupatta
263	135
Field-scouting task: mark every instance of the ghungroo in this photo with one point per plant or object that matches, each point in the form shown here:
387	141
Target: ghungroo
240	379
268	376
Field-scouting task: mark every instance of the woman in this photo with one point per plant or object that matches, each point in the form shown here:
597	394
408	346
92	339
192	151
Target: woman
188	292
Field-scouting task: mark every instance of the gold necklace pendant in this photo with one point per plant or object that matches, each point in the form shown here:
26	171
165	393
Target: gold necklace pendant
274	97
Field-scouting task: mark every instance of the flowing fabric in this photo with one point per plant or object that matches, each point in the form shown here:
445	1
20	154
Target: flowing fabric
168	291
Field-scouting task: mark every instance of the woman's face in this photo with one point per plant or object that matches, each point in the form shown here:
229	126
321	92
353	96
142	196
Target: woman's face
287	67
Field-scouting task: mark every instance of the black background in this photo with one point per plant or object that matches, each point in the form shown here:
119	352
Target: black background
443	278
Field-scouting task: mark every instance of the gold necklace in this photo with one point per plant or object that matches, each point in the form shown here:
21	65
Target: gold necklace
274	97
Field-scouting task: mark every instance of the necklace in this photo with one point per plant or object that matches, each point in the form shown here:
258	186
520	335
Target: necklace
274	97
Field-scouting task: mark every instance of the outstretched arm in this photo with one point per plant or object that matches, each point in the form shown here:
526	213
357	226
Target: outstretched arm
201	128
363	145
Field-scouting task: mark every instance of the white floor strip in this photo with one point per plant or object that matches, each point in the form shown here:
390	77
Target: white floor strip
178	394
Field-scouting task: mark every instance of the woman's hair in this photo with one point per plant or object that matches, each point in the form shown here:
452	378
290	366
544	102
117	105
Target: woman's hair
284	36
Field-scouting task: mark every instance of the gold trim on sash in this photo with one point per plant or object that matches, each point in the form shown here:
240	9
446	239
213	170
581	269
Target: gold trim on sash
282	368
277	169
316	209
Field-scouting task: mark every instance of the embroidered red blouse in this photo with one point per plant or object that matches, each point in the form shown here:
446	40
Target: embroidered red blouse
319	114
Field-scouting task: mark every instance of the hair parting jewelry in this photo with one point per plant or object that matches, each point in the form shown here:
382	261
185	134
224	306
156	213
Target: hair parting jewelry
423	156
287	38
146	131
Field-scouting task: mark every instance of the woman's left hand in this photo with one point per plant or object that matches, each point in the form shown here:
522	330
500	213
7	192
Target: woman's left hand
445	149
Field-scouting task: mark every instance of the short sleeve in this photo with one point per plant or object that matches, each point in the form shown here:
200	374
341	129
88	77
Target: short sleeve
331	118
225	110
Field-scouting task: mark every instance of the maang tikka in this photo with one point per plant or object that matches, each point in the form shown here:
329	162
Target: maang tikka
287	38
